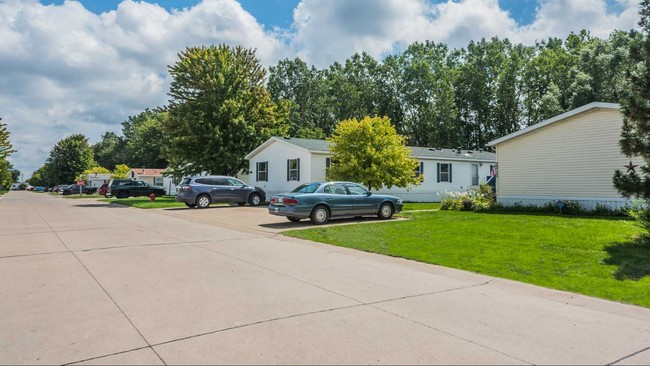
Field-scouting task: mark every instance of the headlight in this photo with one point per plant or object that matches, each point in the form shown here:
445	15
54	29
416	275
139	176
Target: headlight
399	201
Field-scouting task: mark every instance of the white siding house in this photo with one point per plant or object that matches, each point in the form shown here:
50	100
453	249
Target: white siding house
572	156
281	164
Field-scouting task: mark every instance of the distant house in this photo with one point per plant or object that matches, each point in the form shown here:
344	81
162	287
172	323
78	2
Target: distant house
96	180
153	176
571	156
281	164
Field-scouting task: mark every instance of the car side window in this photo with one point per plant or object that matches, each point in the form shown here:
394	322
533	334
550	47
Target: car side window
335	188
235	182
357	190
220	182
203	181
127	183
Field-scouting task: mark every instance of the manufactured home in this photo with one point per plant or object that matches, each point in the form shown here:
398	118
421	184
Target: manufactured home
281	164
571	157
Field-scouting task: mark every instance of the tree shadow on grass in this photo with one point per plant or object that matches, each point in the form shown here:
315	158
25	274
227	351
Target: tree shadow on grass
631	257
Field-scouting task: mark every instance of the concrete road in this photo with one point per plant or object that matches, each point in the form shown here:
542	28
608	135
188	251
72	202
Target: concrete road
86	282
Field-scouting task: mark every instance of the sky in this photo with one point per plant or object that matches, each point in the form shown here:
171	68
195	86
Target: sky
84	66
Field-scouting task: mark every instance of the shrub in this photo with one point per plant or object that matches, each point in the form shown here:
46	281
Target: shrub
479	198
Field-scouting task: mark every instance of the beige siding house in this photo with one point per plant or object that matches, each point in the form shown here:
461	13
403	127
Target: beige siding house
572	156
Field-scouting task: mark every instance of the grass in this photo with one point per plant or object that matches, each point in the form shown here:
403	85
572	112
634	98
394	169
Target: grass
593	256
2	192
145	202
412	206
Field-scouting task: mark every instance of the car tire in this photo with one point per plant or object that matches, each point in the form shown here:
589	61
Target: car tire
320	215
190	205
293	219
203	201
123	194
386	211
254	199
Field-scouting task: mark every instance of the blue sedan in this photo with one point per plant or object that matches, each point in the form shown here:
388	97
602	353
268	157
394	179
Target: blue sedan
320	201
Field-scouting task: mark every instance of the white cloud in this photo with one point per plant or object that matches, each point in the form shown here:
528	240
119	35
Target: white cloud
66	70
71	71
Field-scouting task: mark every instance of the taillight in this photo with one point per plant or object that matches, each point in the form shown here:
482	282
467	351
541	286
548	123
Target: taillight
290	201
186	188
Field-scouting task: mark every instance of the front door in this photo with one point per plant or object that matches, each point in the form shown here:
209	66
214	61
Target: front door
362	203
338	200
222	191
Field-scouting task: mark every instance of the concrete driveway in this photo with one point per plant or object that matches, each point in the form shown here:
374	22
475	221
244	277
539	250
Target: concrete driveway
86	282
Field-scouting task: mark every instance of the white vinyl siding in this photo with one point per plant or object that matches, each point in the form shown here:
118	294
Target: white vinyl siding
575	157
318	166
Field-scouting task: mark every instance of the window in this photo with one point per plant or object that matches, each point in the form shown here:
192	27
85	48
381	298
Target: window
306	188
158	181
293	169
219	182
444	172
474	174
335	188
235	182
262	171
419	170
357	190
328	162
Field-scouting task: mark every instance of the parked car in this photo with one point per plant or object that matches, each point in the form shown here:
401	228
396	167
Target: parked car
123	188
320	201
201	191
102	190
73	188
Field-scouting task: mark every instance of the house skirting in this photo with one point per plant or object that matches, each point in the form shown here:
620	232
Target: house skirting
587	203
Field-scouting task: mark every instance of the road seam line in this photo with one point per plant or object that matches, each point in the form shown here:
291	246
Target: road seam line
628	356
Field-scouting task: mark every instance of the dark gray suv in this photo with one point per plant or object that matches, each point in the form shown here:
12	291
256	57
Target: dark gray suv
202	191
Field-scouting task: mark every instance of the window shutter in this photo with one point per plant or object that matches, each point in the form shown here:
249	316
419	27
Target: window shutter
421	168
438	172
288	165
257	171
450	173
298	174
266	165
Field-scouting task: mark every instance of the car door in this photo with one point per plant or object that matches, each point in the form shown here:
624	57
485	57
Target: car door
338	199
362	203
240	193
221	191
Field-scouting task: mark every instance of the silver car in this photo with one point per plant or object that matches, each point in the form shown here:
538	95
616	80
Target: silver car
201	191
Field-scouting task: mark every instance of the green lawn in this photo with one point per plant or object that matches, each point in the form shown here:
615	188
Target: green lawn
413	206
593	256
2	192
145	202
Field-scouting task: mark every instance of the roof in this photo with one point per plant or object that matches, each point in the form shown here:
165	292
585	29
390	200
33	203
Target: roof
149	172
323	146
574	112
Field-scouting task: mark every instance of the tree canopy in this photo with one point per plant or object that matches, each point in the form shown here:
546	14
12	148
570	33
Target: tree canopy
219	110
6	149
635	134
68	159
371	151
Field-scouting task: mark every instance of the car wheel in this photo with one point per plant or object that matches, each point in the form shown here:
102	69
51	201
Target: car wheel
293	219
203	201
254	199
190	205
320	215
385	211
123	194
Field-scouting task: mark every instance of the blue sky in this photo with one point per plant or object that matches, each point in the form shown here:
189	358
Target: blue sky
85	66
279	13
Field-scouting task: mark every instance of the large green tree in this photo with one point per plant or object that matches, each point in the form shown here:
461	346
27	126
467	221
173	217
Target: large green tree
5	150
219	110
371	152
144	140
68	159
110	150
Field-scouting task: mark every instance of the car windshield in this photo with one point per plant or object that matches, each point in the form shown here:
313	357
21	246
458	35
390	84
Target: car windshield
306	188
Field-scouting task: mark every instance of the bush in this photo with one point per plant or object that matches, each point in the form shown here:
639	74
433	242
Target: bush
479	198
